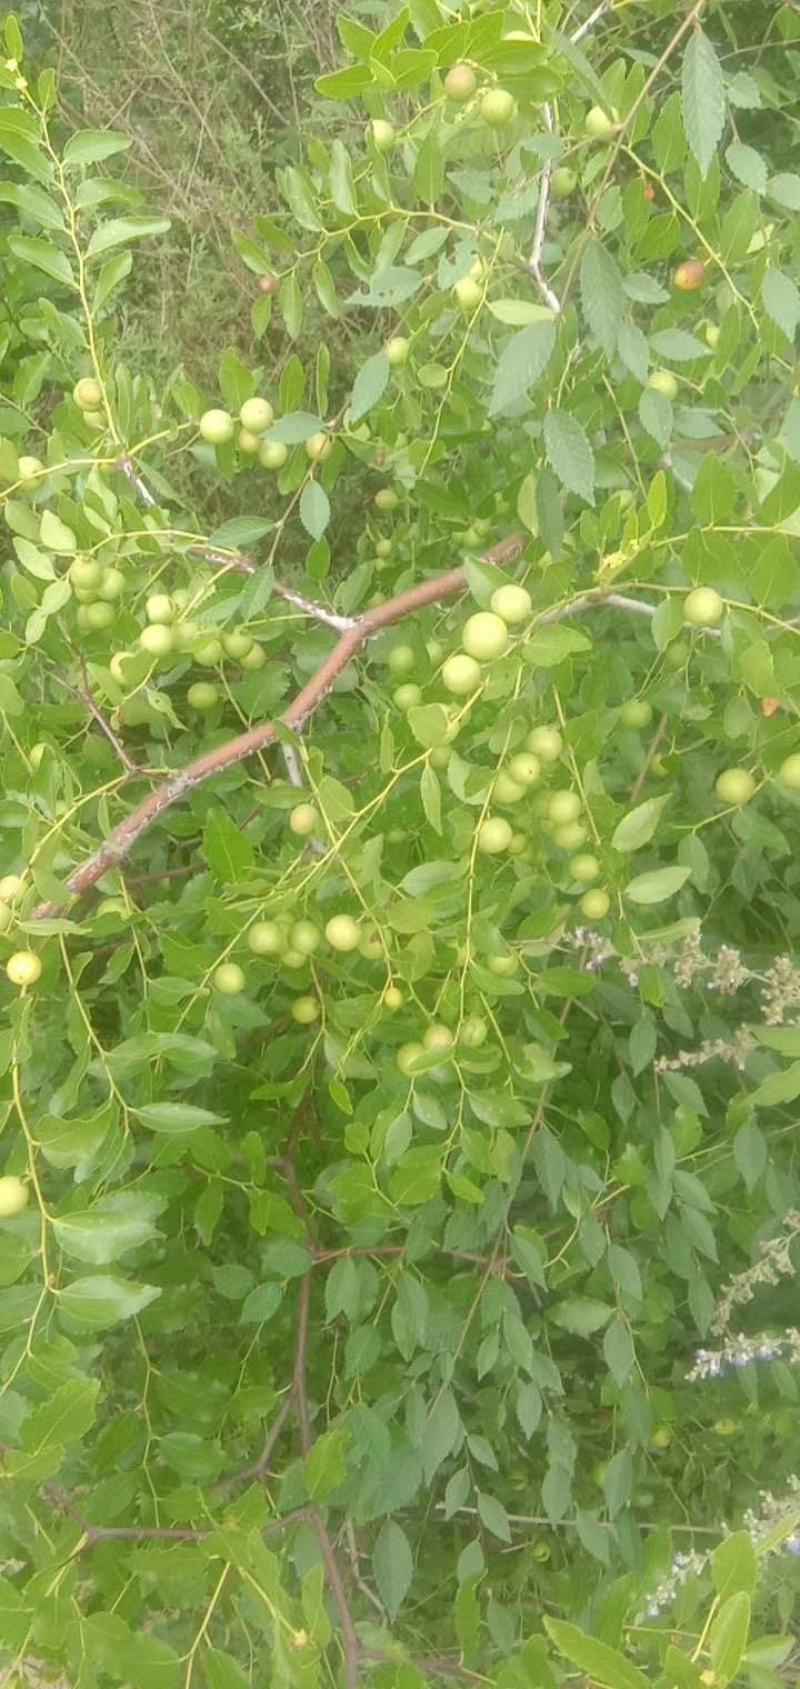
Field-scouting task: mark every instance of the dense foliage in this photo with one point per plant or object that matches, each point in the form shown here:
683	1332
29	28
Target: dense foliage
400	822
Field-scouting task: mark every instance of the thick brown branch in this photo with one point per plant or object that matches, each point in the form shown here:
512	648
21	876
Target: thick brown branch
121	841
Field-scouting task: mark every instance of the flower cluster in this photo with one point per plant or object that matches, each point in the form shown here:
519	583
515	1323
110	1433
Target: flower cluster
735	1049
780	990
742	1351
761	1525
774	1263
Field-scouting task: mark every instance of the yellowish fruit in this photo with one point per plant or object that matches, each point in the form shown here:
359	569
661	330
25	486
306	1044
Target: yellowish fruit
13	1196
256	415
10	887
31	473
460	674
663	381
87	393
506	789
319	447
382	134
343	933
498	108
512	603
546	743
303	820
485	636
397	350
597	124
735	786
408	1055
563	806
525	767
216	427
703	607
393	998
788	774
460	83
23	968
160	608
595	904
438	1037
229	979
272	454
494	835
266	938
469	293
583	868
305	1010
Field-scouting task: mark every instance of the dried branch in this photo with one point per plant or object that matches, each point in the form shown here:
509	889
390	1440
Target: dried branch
534	265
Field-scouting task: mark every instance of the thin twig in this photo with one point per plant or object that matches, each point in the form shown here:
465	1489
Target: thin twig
593	18
649	754
84	695
534	265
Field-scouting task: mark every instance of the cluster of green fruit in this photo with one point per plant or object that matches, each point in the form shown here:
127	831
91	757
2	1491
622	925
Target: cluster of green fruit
217	427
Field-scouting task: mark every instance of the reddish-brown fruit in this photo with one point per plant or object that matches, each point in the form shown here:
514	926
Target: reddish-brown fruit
770	706
268	283
648	191
690	276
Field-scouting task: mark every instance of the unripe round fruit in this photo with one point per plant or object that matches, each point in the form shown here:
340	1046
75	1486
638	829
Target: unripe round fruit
663	381
524	767
85	573
498	108
318	447
237	643
386	499
112	585
659	769
216	426
383	548
343	933
305	936
584	868
256	415
703	607
788	774
564	806
512	603
23	968
494	835
690	276
563	182
661	1437
712	333
202	696
460	674
460	84
186	635
676	654
38	753
405	697
229	979
397	350
305	1010
382	134
87	393
253	659
482	526
30	473
474	1032
485	636
438	1037
247	442
407	1056
157	640
401	659
570	836
272	454
597	124
504	964
595	904
209	652
95	617
440	756
266	938
546	743
13	1196
735	786
10	887
636	713
160	608
468	292
506	789
519	846
118	667
303	820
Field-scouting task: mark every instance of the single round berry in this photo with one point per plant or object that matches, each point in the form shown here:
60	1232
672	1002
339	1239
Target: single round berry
10	887
383	548
788	774
469	293
569	837
563	806
386	499
266	938
85	573
494	835
13	1196
306	937
382	134
703	607
229	979
595	904
503	964
160	608
597	124
438	1037
247	442
94	618
256	415
319	447
202	696
498	108
735	786
23	968
305	1010
208	653
525	767
112	585
512	603
343	933
405	697
485	636
87	393
563	182
304	820
460	83
690	276
408	1055
31	473
272	454
474	1032
506	789
237	643
401	659
461	674
157	640
216	427
397	350
584	868
637	712
546	743
253	659
393	998
663	381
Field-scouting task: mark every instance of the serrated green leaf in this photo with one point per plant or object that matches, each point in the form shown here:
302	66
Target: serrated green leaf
638	826
703	99
602	297
392	1566
370	385
315	509
521	362
659	884
569	453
